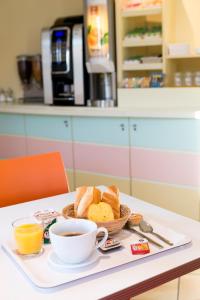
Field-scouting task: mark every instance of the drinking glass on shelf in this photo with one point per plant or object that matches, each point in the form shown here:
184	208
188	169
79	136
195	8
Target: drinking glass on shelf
197	79
188	79
178	79
9	95
2	96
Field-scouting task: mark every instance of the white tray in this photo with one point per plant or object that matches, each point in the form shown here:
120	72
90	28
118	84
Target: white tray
42	274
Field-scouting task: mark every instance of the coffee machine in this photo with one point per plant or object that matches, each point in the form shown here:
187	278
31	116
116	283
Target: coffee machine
100	51
65	77
29	69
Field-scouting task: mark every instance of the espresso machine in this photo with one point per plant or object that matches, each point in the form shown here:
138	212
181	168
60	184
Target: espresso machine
100	52
65	77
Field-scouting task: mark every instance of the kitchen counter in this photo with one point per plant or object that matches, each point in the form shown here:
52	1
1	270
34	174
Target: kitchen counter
41	109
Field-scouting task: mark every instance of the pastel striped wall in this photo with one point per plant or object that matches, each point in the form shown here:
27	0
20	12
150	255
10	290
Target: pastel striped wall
51	133
157	160
101	151
165	163
12	136
12	146
180	199
177	168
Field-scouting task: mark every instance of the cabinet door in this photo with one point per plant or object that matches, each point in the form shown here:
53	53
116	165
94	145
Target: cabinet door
51	133
12	136
101	152
165	160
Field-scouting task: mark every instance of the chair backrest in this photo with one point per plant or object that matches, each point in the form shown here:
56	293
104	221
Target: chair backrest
32	177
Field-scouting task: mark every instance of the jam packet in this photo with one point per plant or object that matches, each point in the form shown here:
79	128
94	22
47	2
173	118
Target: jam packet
47	217
110	244
140	246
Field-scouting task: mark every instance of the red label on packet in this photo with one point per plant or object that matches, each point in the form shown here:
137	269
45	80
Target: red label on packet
140	246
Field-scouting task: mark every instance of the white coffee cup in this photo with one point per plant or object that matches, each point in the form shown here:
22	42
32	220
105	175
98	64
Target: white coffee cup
76	248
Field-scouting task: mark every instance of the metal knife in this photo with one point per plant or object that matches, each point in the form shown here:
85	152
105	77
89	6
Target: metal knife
150	240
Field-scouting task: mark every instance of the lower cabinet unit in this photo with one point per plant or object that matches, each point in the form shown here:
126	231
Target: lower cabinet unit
165	163
51	133
12	136
154	159
101	152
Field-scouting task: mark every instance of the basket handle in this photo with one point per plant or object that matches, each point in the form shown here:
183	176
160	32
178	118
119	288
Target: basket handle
102	242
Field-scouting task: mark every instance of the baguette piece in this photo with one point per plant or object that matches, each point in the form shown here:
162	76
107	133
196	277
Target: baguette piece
111	196
80	191
92	195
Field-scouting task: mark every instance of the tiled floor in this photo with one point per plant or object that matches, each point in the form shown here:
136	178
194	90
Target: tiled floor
189	289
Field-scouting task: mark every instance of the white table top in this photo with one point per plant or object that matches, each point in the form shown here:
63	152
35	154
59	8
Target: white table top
15	284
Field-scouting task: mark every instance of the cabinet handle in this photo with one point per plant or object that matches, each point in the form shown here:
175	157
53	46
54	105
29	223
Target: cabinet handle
134	127
66	123
122	127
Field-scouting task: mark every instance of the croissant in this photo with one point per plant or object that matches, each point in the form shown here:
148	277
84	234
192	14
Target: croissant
111	196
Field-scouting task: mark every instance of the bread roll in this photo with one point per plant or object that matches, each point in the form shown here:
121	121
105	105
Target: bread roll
111	196
92	195
80	191
101	212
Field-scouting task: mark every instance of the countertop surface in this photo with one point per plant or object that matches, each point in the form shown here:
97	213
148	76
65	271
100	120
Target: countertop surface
160	112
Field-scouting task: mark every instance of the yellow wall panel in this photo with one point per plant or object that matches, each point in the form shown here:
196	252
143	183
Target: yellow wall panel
70	176
95	179
183	201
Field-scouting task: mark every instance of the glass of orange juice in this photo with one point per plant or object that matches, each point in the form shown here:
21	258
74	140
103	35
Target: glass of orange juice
28	234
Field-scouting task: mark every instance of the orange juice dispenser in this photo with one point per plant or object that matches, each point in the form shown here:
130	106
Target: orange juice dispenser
100	52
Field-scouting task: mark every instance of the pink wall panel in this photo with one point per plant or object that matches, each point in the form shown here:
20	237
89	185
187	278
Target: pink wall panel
113	161
36	146
12	146
170	167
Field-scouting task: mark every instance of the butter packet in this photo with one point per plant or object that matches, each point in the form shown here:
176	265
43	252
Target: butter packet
47	217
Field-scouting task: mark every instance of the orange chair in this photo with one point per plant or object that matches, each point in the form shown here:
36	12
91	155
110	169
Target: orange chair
32	177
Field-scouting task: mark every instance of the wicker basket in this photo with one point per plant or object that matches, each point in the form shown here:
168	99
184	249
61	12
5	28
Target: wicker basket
112	226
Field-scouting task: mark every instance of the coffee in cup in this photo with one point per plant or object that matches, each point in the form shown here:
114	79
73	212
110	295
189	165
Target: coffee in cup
74	240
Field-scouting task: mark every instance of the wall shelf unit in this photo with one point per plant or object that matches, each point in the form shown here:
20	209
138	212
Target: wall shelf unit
179	22
138	35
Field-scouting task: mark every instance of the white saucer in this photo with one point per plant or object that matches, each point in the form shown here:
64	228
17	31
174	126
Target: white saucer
58	263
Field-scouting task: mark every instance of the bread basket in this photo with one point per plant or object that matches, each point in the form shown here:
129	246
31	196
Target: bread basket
112	226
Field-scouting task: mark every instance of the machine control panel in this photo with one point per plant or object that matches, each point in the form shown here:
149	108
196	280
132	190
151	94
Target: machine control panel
60	43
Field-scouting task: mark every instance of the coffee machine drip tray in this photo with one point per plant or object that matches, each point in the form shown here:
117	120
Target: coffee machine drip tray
63	101
101	103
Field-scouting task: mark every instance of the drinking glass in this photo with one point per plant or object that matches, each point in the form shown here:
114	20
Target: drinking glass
28	235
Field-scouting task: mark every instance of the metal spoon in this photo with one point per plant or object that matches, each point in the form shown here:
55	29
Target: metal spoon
146	227
131	227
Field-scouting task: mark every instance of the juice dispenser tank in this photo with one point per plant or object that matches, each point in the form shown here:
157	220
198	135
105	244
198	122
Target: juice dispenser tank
100	51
